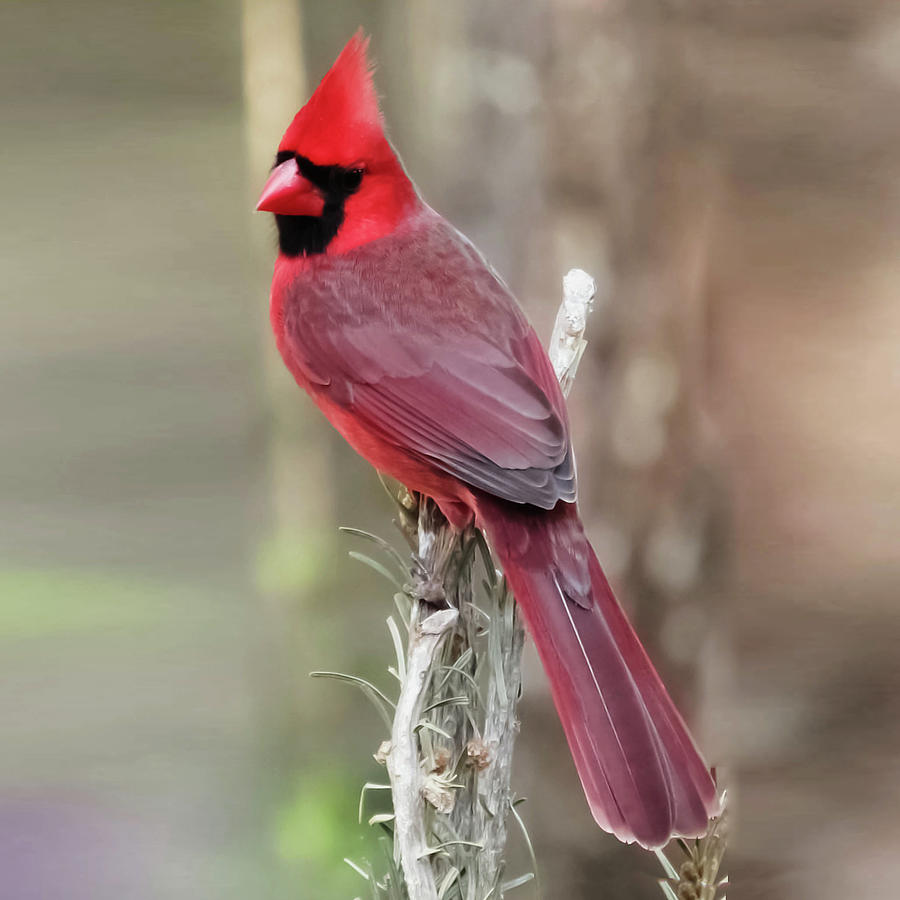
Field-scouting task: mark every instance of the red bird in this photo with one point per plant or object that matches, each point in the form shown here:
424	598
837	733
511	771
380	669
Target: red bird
421	358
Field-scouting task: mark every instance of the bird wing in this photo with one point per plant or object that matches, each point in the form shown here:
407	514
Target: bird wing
428	349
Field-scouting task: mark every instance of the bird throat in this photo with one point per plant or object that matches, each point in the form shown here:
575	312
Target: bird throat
311	235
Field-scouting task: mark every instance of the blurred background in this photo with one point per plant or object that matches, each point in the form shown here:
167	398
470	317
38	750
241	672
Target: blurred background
170	569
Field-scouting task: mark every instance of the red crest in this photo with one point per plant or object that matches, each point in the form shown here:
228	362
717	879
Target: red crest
341	121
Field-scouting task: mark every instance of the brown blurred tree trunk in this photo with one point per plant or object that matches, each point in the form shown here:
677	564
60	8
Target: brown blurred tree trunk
296	553
637	200
275	86
635	196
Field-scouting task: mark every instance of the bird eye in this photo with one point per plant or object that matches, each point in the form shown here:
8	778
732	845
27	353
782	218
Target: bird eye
352	178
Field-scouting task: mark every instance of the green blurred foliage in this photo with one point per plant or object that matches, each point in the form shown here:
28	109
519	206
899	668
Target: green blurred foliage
290	563
317	828
40	603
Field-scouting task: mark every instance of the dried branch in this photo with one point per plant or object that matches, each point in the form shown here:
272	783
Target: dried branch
407	779
567	342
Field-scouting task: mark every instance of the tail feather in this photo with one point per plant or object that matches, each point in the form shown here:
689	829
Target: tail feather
643	777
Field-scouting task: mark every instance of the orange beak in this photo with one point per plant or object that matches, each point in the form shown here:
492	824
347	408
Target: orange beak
288	193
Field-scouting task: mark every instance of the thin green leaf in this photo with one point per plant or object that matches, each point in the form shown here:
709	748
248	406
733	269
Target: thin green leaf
369	786
402	602
490	567
495	656
461	661
460	700
380	818
447	883
431	851
377	566
394	878
668	890
468	553
430	726
517	882
398	645
664	862
451	669
379	700
528	844
357	869
458	667
388	548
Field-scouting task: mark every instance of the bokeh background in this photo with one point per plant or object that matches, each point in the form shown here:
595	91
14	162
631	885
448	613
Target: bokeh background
170	569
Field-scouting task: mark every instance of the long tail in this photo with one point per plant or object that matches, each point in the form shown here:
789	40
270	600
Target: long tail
643	777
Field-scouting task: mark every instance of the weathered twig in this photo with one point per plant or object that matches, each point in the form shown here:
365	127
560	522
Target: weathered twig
567	342
697	877
407	779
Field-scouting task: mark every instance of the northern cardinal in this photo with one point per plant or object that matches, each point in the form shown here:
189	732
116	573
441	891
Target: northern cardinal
420	356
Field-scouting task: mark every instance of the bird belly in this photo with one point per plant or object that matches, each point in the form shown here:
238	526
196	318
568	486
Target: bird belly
417	473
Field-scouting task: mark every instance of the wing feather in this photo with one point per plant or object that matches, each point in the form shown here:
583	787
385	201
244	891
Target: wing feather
430	350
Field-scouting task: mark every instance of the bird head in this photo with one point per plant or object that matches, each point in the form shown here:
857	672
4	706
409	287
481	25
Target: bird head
337	181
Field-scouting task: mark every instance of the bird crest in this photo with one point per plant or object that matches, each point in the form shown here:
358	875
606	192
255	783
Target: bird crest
341	120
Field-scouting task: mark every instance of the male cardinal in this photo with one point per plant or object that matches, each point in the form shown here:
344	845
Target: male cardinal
420	356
